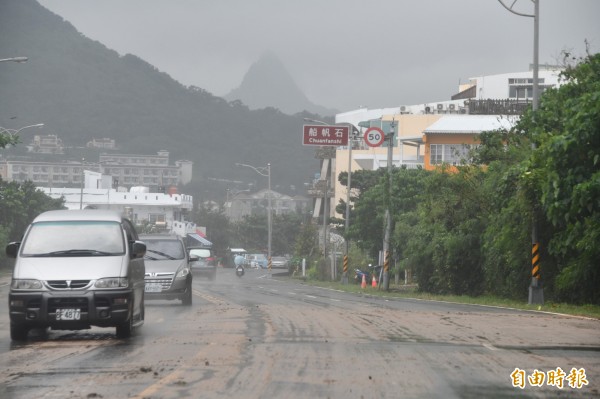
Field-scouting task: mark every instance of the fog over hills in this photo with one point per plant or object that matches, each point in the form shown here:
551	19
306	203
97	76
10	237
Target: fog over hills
82	90
268	84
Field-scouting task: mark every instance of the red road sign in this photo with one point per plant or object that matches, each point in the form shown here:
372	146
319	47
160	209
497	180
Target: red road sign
333	135
374	137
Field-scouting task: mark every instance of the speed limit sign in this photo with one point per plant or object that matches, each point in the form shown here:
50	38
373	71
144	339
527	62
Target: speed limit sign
374	136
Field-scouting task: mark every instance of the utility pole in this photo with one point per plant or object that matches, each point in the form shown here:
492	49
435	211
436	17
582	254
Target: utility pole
388	213
536	290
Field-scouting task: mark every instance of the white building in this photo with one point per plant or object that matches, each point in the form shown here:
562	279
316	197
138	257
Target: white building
127	170
167	212
514	86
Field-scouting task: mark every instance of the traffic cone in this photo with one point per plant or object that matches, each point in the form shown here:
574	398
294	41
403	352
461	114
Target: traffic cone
364	282
374	282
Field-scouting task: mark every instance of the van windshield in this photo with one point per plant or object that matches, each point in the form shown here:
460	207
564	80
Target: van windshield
74	238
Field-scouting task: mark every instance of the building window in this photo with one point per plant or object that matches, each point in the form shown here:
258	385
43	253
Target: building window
157	218
436	153
522	88
453	154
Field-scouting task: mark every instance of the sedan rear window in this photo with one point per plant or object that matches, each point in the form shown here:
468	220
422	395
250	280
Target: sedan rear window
201	253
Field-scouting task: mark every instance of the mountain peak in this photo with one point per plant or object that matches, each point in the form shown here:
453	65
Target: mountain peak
267	83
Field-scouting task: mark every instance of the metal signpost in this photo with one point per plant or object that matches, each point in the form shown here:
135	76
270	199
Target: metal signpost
374	137
325	136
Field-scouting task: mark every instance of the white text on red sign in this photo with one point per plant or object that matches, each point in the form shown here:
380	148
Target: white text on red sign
325	135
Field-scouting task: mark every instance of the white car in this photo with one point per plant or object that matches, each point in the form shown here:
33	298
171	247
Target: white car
279	262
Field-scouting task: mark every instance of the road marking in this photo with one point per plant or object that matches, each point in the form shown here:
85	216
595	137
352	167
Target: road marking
310	296
490	347
207	297
152	389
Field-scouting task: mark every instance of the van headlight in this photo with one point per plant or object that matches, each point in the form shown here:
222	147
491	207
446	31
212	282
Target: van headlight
183	272
112	282
22	284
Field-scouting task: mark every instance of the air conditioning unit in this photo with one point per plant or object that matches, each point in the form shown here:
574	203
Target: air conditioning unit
440	107
451	107
403	108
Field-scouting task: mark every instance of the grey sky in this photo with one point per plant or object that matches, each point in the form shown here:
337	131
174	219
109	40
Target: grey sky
341	53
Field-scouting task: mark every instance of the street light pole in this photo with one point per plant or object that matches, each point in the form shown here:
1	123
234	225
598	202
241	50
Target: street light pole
82	181
15	59
536	291
267	173
9	136
14	132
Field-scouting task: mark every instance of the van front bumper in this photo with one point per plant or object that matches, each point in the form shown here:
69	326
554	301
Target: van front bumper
102	308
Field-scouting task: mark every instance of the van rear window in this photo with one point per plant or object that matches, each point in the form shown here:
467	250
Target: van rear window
74	238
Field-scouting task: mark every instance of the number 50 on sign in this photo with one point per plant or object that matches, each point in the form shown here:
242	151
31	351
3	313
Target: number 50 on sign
374	137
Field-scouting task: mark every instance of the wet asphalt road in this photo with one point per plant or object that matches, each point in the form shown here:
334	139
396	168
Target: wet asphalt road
261	337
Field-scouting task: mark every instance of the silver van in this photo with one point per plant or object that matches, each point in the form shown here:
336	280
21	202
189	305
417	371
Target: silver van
77	269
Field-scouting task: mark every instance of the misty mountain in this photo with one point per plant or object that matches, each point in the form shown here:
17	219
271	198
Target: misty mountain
82	90
268	84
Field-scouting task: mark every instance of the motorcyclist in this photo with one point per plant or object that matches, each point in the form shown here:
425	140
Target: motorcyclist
239	261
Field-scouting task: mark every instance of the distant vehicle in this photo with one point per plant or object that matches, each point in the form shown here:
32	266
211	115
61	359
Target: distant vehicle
257	261
279	262
230	255
77	269
206	265
168	274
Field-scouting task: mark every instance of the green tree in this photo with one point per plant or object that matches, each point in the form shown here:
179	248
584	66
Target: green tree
7	139
252	232
565	172
306	245
451	214
218	229
20	203
286	229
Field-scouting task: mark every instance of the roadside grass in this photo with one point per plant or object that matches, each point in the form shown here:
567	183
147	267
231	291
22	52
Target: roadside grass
410	291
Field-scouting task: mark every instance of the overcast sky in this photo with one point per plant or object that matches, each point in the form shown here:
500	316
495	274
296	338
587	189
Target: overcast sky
342	53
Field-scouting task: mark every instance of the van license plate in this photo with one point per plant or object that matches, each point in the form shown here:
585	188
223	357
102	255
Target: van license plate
153	287
68	314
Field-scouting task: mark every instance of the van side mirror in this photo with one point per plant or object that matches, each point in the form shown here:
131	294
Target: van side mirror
193	258
138	249
12	249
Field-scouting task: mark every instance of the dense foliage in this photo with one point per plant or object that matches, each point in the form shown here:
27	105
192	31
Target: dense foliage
251	233
19	205
468	230
566	168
